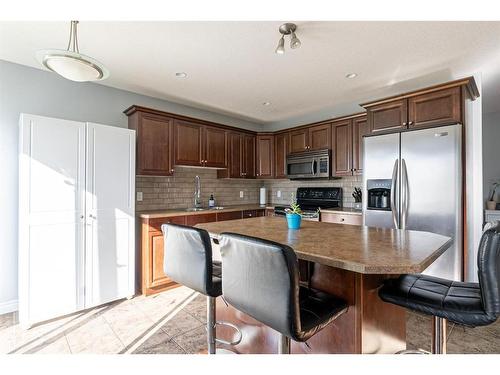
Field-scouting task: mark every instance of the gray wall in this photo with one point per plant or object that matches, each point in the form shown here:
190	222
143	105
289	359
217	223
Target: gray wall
491	152
29	90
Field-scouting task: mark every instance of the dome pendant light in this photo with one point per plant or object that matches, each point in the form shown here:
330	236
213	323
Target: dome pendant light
287	29
70	63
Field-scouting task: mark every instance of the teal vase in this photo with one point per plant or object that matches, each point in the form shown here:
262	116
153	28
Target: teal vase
293	221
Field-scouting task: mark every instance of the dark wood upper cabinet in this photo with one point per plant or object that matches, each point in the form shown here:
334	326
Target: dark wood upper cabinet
435	108
154	144
360	127
248	156
298	140
235	144
215	147
388	116
265	156
187	143
320	137
342	148
280	153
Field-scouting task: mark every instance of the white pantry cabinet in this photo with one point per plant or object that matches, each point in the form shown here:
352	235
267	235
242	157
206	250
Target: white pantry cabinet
76	216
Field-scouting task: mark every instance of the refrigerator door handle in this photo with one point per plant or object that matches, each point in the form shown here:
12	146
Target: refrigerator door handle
394	207
404	194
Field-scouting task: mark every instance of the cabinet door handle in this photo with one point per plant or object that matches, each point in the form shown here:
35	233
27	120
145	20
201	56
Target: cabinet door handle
404	124
410	123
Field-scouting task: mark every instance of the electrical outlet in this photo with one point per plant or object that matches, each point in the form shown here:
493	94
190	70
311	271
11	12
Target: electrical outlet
241	193
278	194
139	196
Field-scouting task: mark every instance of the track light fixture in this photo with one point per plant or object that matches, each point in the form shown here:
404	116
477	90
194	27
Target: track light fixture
287	29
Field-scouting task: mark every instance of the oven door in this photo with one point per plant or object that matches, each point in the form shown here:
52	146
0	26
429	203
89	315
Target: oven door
301	167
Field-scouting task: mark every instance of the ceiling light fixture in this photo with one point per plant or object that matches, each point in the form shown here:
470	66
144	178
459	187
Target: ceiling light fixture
70	63
181	75
287	29
351	75
266	103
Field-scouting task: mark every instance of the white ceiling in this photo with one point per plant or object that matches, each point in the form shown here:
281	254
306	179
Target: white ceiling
232	67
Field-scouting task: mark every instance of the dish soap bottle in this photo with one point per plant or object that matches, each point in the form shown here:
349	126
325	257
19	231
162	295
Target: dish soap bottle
211	201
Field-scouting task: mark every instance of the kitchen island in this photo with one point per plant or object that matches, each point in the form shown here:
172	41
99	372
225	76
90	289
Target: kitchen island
348	261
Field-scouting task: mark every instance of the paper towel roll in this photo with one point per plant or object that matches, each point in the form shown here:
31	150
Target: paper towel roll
263	196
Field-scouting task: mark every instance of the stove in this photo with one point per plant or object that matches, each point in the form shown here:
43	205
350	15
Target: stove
312	199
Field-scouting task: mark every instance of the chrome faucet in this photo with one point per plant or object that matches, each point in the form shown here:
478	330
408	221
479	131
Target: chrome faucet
197	192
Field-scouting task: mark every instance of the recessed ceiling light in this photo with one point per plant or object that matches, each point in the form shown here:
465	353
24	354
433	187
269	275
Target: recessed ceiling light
181	75
266	103
351	75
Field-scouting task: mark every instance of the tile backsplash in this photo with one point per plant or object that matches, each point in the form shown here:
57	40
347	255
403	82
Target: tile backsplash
177	191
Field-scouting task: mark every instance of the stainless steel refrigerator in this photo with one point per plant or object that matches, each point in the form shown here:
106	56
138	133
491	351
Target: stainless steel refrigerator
413	180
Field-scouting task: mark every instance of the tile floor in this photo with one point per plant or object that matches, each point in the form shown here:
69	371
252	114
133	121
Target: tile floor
173	322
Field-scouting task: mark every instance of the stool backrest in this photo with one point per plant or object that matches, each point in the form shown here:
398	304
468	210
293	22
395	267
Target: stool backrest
261	279
187	257
488	262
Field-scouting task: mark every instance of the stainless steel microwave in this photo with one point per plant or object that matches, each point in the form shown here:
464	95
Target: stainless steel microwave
310	164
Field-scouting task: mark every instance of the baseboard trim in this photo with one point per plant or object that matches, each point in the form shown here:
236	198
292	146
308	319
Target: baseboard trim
8	306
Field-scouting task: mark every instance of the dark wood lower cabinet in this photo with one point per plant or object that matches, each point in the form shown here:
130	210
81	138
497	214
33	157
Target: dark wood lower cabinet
224	216
153	279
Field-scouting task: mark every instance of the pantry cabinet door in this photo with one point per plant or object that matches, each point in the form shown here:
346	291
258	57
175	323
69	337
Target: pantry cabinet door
110	181
51	218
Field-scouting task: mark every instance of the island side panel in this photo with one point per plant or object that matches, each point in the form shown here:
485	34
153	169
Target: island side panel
341	336
369	326
383	325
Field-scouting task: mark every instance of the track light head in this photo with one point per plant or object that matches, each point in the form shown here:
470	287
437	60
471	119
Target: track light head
280	50
294	41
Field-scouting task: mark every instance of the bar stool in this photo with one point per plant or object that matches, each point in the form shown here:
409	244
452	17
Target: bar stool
187	260
261	279
468	304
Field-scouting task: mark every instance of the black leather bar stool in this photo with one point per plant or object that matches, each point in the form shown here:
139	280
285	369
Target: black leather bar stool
187	260
468	304
261	279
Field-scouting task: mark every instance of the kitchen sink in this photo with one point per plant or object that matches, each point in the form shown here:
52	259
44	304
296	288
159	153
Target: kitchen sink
216	208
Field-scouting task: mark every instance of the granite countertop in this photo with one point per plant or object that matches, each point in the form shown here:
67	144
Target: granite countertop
152	214
351	247
343	210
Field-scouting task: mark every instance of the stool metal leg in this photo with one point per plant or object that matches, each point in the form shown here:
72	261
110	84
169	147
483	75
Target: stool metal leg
438	335
211	324
284	345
